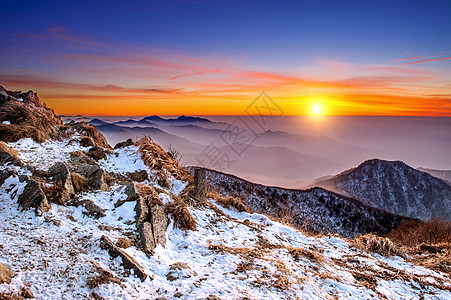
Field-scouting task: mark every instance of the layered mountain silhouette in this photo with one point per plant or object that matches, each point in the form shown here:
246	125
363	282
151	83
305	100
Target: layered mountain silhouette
394	187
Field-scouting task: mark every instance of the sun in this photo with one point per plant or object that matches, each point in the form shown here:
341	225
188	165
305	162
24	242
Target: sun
317	109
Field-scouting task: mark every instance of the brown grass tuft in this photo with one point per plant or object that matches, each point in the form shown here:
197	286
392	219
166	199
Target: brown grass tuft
373	243
123	242
148	193
54	193
154	156
79	182
228	202
181	215
297	253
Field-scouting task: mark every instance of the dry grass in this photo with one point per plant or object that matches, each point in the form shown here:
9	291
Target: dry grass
123	242
10	296
67	130
154	156
228	202
148	193
29	118
54	193
181	215
79	182
412	233
375	244
298	253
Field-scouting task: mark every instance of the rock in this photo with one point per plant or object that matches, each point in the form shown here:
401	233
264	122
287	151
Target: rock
6	274
33	197
126	143
128	262
7	154
95	175
97	153
213	297
147	238
93	210
60	173
80	183
131	192
159	220
5	174
200	184
87	141
138	176
179	270
142	210
178	295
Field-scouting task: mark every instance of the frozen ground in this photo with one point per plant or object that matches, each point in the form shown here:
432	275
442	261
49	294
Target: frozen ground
231	256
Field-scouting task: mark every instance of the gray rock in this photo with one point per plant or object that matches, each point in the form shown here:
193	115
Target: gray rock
6	274
159	220
131	192
138	176
33	197
142	210
97	153
61	173
95	175
6	158
147	238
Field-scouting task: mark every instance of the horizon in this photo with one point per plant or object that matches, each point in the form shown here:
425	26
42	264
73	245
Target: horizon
201	58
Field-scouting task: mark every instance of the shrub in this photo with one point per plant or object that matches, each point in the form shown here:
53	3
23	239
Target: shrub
376	244
181	215
412	233
228	202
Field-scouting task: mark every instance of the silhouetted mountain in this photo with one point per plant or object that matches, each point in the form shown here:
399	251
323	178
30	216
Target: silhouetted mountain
97	122
181	119
314	209
133	123
441	174
394	187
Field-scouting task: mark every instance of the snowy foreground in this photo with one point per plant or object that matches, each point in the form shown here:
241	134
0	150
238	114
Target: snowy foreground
231	256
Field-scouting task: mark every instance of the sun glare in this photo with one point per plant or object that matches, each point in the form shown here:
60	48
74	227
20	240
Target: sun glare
317	109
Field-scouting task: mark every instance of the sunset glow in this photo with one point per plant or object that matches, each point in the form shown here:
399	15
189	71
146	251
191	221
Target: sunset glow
181	66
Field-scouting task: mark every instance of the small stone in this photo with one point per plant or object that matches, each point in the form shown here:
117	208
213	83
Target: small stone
213	297
25	293
178	295
87	141
138	176
127	143
97	153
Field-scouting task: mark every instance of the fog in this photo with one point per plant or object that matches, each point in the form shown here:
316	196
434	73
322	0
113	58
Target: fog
289	151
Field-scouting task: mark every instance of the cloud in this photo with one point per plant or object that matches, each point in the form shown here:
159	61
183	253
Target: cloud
197	73
56	28
426	60
24	70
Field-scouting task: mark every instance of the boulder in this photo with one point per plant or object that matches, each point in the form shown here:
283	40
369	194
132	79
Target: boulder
126	143
5	174
128	262
147	238
6	274
95	175
159	220
97	153
138	176
33	197
60	173
142	210
8	154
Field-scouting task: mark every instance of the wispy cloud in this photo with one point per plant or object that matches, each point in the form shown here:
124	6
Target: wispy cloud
426	60
192	74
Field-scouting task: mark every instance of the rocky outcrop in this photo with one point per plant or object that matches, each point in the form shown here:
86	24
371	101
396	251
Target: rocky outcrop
87	131
95	175
33	197
97	153
126	143
60	173
128	262
8	154
6	274
23	115
6	173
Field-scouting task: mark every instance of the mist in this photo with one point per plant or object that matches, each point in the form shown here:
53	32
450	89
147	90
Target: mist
289	151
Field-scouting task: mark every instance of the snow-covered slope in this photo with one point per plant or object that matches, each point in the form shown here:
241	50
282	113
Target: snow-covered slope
314	209
231	255
395	187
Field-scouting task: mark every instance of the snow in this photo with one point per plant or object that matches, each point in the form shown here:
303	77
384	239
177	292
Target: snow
56	261
6	123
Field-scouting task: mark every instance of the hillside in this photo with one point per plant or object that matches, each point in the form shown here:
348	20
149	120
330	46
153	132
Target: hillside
442	174
395	187
314	209
80	220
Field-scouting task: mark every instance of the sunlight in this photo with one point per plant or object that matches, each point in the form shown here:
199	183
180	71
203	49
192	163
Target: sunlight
317	109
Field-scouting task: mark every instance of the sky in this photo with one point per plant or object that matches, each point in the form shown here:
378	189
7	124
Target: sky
216	57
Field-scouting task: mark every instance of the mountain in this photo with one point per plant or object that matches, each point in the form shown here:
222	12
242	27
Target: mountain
80	220
395	187
314	209
442	174
97	122
180	119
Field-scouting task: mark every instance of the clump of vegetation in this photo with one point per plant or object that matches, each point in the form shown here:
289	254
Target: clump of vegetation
228	202
154	156
376	244
123	242
181	215
54	193
412	233
298	253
